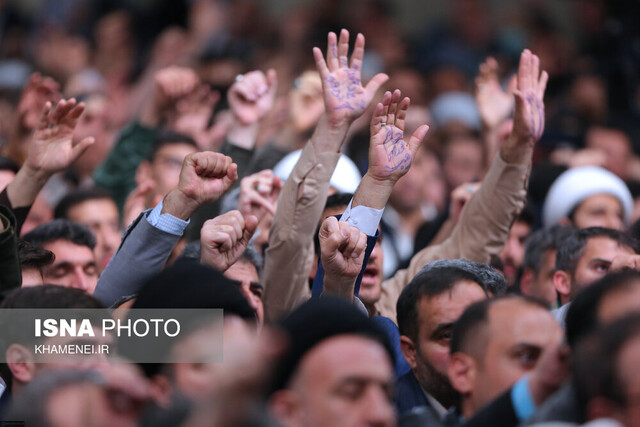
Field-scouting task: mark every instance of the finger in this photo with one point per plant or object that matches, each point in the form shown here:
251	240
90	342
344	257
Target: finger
321	65
244	91
358	53
74	115
272	80
393	107
328	228
343	48
42	124
401	114
542	84
352	243
416	139
257	199
220	240
523	70
332	52
386	100
376	82
81	147
231	177
513	84
361	246
377	119
535	70
57	112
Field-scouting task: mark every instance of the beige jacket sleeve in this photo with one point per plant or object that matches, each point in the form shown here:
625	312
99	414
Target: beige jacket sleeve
483	228
289	258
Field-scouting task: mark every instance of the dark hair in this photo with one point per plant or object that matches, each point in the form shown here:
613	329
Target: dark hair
32	256
476	317
595	365
427	284
572	247
61	229
167	137
542	240
6	164
528	215
582	315
77	197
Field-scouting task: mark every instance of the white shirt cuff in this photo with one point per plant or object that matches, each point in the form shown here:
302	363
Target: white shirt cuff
364	218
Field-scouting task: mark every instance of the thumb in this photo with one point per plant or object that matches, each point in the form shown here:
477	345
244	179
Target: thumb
250	226
81	147
328	227
416	139
231	177
374	84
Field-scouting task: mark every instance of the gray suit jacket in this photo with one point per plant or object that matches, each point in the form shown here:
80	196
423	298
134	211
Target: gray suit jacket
143	252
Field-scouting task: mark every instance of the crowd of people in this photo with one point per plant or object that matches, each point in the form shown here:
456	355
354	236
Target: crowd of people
437	230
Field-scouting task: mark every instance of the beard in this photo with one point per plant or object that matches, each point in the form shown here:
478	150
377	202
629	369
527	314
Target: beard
435	383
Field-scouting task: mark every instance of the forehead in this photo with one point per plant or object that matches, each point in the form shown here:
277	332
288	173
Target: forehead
175	150
91	210
604	248
601	200
616	304
66	251
447	306
342	357
512	321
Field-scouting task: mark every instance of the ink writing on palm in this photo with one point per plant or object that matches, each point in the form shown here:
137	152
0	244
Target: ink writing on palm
528	118
390	156
344	96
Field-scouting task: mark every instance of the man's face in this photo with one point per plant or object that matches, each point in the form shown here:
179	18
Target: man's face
245	273
74	266
518	332
345	380
595	263
629	374
436	316
101	216
512	254
408	193
463	162
166	167
616	304
542	286
600	210
371	285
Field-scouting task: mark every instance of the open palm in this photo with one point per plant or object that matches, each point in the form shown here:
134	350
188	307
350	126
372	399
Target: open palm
52	148
344	96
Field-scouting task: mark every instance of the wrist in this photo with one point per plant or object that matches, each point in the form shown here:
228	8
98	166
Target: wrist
243	136
517	150
373	191
179	205
35	175
339	285
329	135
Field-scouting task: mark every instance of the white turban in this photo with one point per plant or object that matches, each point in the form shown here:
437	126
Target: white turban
577	184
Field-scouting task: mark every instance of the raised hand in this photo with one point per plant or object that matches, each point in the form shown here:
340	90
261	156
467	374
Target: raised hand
528	119
35	94
259	194
459	197
390	157
342	249
306	103
204	178
345	98
224	238
494	104
252	96
170	85
52	148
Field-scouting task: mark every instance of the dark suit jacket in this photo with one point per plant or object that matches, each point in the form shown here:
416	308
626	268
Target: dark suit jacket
409	394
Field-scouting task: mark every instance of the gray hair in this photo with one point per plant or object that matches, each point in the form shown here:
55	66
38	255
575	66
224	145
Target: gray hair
491	280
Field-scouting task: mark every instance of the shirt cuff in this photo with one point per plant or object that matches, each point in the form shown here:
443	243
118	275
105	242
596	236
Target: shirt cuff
364	218
166	222
523	404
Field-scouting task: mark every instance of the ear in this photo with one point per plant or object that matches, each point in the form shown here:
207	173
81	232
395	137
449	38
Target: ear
562	283
526	280
285	406
161	390
462	373
21	363
143	173
408	351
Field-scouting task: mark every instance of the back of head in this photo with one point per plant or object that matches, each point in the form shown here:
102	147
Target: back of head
572	247
317	320
434	279
542	240
77	197
61	229
582	316
50	296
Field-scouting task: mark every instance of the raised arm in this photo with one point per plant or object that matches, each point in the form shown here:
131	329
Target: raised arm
290	254
148	242
487	217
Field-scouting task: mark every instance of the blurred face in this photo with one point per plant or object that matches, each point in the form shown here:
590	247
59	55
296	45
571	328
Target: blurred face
245	273
542	284
436	316
615	145
101	216
518	333
74	266
408	192
595	263
166	166
462	162
345	380
371	285
601	210
617	304
628	372
512	254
